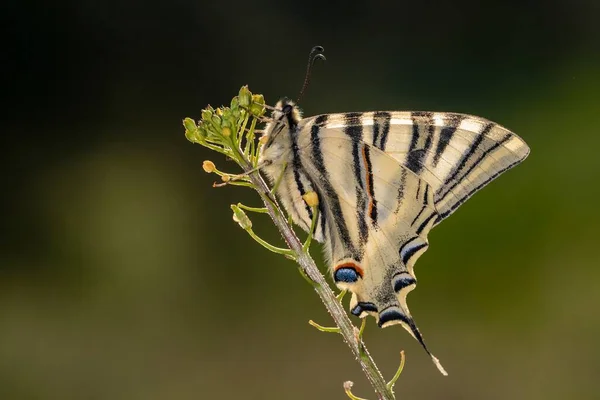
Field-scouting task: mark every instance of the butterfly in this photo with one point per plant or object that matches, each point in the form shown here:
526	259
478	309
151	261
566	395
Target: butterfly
383	180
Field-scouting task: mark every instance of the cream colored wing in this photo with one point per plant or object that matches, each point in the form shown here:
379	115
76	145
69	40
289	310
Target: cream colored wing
386	211
456	154
383	186
384	180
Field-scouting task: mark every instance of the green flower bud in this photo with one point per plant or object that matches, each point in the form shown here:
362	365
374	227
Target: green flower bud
216	122
241	218
245	96
226	114
191	137
235	103
207	114
257	108
192	132
190	125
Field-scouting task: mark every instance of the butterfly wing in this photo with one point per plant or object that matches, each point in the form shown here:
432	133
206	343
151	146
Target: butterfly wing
456	154
384	180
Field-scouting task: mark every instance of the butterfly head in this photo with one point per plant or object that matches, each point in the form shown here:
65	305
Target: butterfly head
285	118
287	112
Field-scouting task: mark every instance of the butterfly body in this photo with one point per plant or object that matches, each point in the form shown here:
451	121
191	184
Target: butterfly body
383	180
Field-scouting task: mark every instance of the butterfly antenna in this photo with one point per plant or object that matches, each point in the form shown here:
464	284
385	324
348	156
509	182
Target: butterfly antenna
315	54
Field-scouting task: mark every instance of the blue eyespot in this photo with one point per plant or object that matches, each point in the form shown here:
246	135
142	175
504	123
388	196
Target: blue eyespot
403	280
363	306
345	274
357	310
391	314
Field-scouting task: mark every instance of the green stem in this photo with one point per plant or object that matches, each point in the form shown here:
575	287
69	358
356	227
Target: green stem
296	251
269	246
241	133
240	183
391	383
252	143
322	328
262	210
348	390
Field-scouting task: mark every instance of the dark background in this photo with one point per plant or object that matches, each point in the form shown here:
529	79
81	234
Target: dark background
122	275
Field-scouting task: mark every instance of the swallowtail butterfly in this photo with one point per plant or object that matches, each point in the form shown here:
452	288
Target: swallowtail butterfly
384	180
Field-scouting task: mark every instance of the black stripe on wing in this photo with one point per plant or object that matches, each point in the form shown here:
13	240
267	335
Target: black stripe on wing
475	164
381	128
297	168
468	195
454	175
420	142
410	248
331	196
354	130
370	184
446	135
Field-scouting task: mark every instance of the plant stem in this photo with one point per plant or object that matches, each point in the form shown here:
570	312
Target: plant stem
334	307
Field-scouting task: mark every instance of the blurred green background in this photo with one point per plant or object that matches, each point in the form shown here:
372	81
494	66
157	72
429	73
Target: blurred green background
122	275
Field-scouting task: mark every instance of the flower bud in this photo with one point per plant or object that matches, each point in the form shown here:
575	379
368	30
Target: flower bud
208	166
207	114
216	122
235	103
257	107
190	124
245	96
241	218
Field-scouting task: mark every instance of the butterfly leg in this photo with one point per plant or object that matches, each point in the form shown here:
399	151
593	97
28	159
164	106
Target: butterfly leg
313	224
278	180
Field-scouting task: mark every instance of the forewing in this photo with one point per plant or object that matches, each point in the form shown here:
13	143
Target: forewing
456	154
